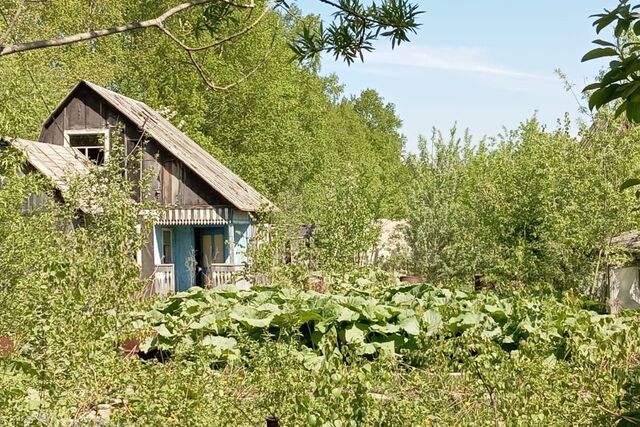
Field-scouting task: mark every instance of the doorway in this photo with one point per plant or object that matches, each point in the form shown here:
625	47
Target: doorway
210	250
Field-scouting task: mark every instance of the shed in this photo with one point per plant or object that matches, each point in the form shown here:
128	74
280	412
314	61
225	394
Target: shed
622	278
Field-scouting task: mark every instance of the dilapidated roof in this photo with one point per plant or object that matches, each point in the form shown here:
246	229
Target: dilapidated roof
233	188
629	240
56	162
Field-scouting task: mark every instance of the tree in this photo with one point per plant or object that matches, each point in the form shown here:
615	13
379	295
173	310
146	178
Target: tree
201	26
537	207
620	83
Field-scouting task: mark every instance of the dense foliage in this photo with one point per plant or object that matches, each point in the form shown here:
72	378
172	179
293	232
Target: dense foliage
348	33
618	85
533	210
532	207
370	319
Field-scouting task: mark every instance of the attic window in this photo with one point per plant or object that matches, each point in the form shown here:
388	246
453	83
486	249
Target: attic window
94	144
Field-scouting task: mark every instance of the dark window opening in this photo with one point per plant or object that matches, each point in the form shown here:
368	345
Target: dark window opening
91	145
167	249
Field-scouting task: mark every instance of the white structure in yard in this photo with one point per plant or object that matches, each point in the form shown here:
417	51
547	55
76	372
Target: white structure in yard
622	280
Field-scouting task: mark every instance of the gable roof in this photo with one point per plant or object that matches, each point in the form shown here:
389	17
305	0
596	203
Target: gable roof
55	162
233	188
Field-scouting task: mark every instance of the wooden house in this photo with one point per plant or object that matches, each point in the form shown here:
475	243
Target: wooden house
201	235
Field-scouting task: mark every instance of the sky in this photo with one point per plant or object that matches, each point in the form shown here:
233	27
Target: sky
482	65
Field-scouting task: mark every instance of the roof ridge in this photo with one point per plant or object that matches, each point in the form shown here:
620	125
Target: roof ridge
217	175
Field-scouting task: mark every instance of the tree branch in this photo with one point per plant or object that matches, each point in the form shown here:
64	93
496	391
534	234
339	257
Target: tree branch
94	34
214	86
13	22
219	42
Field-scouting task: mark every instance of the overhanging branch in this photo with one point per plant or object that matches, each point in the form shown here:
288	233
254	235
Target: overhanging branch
94	34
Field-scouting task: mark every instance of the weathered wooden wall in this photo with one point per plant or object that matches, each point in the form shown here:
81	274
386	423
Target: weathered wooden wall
182	187
172	184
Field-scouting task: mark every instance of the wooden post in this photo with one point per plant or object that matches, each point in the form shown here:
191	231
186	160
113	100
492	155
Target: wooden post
273	422
232	242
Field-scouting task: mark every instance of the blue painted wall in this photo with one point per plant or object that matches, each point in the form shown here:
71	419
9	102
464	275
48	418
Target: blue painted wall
241	240
184	243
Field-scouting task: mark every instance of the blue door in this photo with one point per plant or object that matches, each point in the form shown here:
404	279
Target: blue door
210	249
184	257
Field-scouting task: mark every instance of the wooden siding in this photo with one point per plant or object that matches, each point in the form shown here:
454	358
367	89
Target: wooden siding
182	187
172	183
85	110
198	160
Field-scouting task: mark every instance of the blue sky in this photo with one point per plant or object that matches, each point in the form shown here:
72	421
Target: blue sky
480	64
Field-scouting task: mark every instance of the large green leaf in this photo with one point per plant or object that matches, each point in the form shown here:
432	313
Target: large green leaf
410	325
250	317
603	96
163	331
599	52
354	334
432	320
345	314
208	321
219	342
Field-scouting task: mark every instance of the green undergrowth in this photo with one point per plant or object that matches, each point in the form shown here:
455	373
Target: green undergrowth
403	321
366	354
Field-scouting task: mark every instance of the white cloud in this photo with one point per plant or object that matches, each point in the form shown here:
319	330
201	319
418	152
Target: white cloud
462	59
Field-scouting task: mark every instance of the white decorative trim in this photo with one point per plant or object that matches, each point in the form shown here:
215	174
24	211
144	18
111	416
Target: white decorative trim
196	216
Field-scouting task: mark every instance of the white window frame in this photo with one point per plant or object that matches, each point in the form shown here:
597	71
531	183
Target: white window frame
104	132
162	260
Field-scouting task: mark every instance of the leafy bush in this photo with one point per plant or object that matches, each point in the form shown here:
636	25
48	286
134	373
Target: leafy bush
535	208
494	343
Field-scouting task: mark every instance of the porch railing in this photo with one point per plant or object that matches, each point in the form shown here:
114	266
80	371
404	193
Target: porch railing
164	279
222	274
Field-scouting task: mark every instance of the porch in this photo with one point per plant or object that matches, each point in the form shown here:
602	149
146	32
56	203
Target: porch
206	250
216	276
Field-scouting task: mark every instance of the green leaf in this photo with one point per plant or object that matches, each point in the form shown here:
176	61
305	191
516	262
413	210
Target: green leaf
347	315
163	331
550	362
592	86
138	324
155	316
432	320
388	346
205	322
410	325
629	419
222	343
621	109
148	344
633	111
599	52
471	319
603	96
631	182
492	333
250	317
354	334
605	21
604	43
385	328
